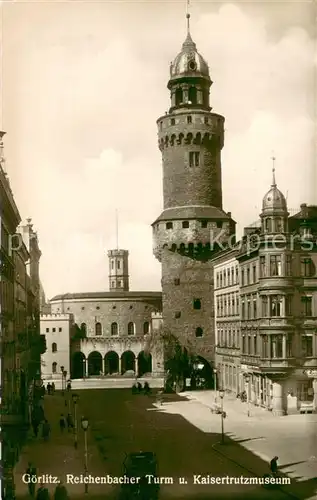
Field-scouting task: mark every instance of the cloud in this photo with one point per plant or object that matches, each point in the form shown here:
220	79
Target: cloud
82	134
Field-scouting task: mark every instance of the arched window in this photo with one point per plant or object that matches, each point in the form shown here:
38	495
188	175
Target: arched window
83	327
178	96
114	329
98	329
54	347
192	95
54	367
199	332
131	328
268	225
112	264
146	327
118	264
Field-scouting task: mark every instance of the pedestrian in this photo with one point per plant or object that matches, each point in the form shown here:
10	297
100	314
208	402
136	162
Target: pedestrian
49	389
147	389
273	465
46	430
69	421
139	387
69	386
35	426
61	492
53	387
31	471
62	423
42	493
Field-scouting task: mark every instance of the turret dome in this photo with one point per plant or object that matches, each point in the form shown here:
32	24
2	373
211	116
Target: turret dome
189	62
274	199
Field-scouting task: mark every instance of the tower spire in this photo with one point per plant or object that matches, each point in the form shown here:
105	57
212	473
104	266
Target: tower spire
273	171
187	17
117	230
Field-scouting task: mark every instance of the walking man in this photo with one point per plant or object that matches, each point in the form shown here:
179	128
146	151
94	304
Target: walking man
31	471
62	423
46	430
273	465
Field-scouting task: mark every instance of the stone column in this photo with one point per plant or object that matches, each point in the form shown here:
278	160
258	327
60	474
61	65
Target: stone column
119	365
279	404
86	368
284	346
315	393
253	389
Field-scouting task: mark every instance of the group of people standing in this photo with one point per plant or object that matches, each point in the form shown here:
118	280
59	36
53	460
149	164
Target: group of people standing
138	389
42	493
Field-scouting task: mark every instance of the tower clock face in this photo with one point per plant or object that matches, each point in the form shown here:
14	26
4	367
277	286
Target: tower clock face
192	66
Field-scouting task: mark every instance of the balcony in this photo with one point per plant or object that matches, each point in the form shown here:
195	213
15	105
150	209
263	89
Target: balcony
249	359
277	364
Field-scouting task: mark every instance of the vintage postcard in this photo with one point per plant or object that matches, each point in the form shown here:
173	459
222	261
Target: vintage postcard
158	210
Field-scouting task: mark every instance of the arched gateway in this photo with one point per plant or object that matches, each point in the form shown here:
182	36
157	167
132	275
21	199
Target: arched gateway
127	362
144	363
78	368
94	363
111	363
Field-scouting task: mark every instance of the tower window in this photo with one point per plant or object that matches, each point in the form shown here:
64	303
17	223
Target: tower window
194	157
118	264
169	225
206	121
54	367
192	95
112	264
113	284
146	328
185	224
114	329
54	347
189	119
119	284
204	223
161	125
178	96
199	332
130	328
98	329
172	121
197	304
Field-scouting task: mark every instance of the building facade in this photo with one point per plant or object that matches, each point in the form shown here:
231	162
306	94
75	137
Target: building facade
58	330
193	223
21	343
112	329
278	308
227	320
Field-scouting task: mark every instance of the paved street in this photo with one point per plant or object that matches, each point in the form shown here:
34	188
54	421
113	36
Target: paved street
292	438
123	423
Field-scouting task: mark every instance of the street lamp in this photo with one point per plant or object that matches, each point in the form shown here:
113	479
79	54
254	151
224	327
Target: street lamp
221	394
85	425
62	370
75	398
247	379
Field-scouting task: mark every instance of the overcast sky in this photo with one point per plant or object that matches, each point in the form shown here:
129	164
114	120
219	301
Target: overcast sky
83	86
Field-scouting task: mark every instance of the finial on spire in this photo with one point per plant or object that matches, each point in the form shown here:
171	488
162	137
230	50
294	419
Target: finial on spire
273	171
187	16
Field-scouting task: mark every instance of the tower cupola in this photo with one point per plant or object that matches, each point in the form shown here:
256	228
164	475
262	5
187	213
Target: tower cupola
118	270
189	77
274	208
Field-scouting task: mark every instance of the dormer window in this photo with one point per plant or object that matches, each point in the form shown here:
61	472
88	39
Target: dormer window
194	157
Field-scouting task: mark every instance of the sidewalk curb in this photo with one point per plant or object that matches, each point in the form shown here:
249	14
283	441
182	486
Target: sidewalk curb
215	448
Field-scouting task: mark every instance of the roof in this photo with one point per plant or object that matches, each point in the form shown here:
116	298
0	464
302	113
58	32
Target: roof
107	295
193	212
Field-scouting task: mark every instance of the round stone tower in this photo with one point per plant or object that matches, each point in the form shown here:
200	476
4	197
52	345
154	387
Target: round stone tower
193	224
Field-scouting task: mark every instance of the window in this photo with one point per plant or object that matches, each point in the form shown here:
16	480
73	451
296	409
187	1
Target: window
172	121
268	225
307	305
113	284
194	158
254	309
119	284
232	275
98	329
189	119
278	225
199	332
112	264
118	264
130	328
177	314
248	309
206	121
54	367
97	307
254	273
169	225
47	330
277	346
192	92
197	304
264	306
177	281
243	344
307	345
53	330
237	275
146	327
276	305
83	328
265	350
275	265
83	308
242	277
242	309
54	347
262	266
255	345
248	276
204	223
289	346
114	329
249	344
306	267
178	96
288	305
185	224
161	125
60	329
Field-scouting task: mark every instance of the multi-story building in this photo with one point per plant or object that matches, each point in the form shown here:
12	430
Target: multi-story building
278	308
21	343
227	320
112	329
193	223
58	330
